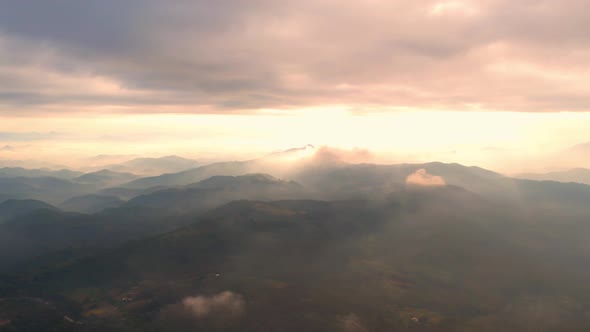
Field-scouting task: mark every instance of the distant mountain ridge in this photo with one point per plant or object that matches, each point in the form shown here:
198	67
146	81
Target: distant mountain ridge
154	166
219	190
13	172
580	175
269	164
313	174
105	178
222	181
48	189
193	175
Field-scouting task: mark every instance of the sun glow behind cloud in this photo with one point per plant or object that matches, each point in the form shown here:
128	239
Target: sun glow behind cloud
485	82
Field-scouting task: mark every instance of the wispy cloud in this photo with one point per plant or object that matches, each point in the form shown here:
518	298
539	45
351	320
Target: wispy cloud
8	136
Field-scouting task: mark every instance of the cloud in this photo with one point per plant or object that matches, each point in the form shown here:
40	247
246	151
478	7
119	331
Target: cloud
234	56
7	148
28	136
217	311
352	323
422	178
225	303
355	156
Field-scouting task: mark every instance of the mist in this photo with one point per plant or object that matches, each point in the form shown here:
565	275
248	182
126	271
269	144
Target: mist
317	166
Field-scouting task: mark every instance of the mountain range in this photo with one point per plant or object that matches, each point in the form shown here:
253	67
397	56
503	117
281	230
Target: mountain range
289	242
579	175
425	259
151	166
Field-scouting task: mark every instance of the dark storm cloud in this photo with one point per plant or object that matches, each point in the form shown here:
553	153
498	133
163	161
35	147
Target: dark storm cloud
530	55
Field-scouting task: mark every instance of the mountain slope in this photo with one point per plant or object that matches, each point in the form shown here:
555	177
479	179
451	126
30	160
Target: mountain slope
357	181
219	190
154	166
413	262
193	175
312	172
48	189
47	231
128	193
14	208
105	178
13	172
276	164
579	175
91	203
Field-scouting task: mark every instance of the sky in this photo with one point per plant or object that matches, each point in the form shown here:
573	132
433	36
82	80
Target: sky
497	83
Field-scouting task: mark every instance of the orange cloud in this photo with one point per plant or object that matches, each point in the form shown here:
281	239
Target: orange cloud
422	178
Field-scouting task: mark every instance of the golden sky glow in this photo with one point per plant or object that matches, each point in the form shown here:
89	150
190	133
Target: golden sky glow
501	140
497	83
